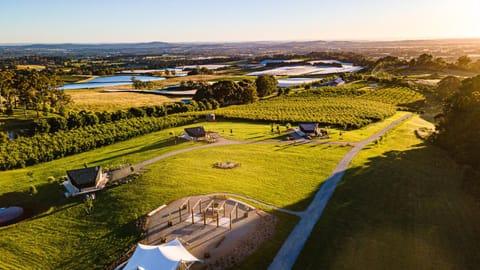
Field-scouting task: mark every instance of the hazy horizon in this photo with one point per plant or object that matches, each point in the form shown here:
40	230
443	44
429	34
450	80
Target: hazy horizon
239	41
213	21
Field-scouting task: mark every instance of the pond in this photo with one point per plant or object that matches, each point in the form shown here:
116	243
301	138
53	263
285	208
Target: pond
109	81
296	81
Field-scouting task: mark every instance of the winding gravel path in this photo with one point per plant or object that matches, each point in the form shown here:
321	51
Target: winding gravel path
220	141
291	248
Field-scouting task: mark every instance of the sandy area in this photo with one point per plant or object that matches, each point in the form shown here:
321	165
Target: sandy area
223	246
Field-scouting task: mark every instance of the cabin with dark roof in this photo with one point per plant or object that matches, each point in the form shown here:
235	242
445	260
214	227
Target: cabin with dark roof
84	180
309	128
195	133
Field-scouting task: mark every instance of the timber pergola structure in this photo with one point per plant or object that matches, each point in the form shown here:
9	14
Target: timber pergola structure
209	210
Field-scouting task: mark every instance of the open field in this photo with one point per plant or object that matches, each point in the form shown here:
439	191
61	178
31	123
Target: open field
285	174
269	178
111	229
62	236
76	78
98	100
339	135
37	67
400	206
254	131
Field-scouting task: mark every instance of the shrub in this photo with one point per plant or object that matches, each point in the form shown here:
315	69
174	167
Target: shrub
32	190
26	151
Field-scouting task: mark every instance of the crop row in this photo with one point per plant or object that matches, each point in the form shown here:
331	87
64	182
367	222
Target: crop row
400	96
347	112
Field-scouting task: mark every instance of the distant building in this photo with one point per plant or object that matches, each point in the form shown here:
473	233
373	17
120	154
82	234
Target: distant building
336	82
210	117
309	128
86	180
194	133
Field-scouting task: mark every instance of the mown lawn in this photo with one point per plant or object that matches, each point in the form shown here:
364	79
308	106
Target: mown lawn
401	205
285	175
242	131
363	133
62	236
258	131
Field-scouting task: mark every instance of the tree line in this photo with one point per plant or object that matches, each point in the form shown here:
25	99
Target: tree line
74	120
42	147
228	92
426	61
459	126
31	89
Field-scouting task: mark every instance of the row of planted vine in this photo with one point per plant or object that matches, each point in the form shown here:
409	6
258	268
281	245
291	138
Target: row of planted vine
347	112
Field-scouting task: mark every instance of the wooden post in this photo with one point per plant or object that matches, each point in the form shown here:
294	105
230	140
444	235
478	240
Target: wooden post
230	221
218	221
225	210
236	211
188	204
193	221
180	214
200	205
204	217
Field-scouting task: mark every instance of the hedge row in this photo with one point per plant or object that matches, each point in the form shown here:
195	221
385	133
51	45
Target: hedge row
74	120
26	151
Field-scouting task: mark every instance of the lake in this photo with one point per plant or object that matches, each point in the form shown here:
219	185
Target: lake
109	81
296	81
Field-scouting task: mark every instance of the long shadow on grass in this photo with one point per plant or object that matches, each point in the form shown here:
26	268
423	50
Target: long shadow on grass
402	210
153	146
36	203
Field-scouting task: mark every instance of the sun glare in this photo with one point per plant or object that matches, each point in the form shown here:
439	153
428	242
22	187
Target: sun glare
461	19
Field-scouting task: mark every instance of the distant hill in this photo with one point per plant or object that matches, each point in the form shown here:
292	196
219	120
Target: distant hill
371	48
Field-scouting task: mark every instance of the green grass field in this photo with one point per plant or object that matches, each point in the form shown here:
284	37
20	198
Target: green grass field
338	135
61	235
255	131
378	217
400	206
268	172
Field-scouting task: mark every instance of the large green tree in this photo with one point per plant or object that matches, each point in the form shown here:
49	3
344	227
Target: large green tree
38	90
7	90
228	92
266	85
448	86
459	131
464	62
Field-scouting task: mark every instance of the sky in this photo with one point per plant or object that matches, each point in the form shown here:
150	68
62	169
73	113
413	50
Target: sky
110	21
